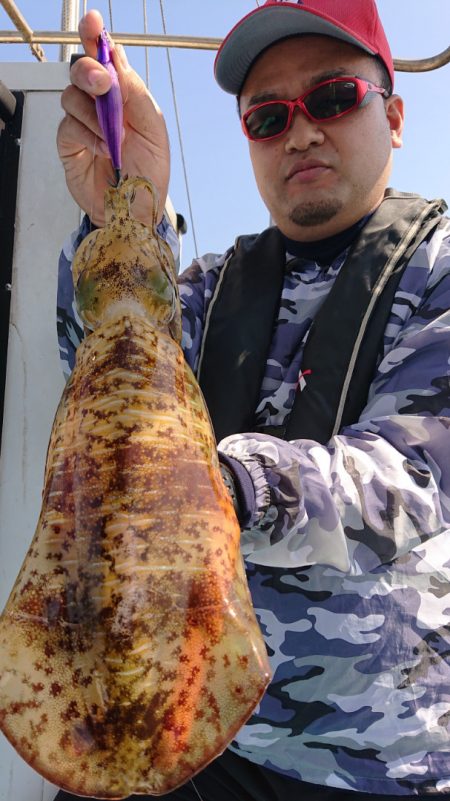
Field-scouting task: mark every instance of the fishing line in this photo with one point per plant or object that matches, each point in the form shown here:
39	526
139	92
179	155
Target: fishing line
93	181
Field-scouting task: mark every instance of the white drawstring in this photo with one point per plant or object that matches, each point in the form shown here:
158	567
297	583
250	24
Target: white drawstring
192	782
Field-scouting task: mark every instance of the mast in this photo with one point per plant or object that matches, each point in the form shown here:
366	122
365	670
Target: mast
70	14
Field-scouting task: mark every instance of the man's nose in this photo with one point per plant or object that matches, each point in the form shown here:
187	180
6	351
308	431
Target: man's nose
303	132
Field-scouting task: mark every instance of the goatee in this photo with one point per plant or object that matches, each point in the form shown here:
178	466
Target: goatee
308	215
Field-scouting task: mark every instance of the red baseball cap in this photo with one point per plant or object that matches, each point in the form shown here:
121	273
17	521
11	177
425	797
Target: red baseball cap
353	21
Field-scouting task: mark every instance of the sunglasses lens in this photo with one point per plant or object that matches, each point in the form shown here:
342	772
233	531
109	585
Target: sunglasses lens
266	121
331	99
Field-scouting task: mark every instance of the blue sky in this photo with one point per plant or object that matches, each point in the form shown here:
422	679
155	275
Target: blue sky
224	198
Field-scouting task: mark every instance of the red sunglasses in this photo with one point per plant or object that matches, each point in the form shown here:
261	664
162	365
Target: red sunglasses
326	101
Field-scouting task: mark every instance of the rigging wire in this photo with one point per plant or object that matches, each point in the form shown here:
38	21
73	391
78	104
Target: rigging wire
147	70
180	138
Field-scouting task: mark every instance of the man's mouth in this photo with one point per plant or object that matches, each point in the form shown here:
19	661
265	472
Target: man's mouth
307	171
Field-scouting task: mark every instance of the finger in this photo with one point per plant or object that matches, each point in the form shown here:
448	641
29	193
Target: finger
80	106
142	111
139	106
122	67
90	76
90	28
119	56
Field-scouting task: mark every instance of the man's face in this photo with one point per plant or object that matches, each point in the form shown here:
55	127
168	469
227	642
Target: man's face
319	178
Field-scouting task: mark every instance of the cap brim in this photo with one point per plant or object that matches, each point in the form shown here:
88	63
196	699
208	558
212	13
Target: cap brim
262	28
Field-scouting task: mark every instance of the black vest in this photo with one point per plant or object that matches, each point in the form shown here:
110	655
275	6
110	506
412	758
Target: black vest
344	340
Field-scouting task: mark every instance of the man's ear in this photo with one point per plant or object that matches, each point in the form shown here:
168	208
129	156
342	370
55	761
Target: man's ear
396	117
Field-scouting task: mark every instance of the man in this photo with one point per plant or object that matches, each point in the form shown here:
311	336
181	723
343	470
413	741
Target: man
328	339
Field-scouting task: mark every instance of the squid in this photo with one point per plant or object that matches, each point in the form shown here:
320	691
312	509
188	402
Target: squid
130	654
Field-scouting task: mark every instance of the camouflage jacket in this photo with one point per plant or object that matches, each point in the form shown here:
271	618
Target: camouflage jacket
346	550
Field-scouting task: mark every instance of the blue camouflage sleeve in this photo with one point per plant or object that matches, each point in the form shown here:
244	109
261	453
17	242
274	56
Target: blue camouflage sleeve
69	325
382	486
197	285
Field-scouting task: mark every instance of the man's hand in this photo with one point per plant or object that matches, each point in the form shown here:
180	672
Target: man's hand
81	147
